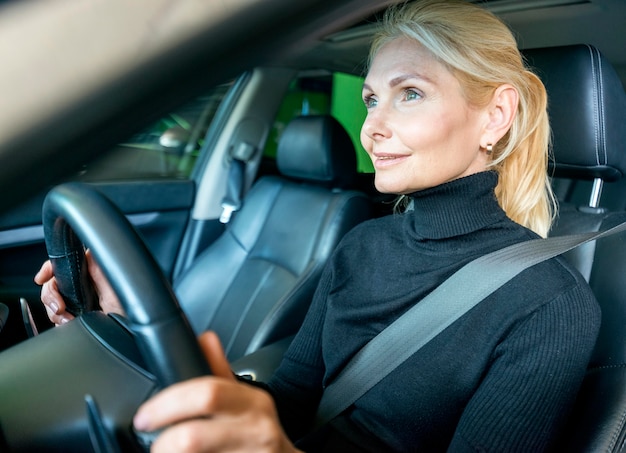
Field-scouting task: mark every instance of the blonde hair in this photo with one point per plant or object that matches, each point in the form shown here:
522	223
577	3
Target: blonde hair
482	54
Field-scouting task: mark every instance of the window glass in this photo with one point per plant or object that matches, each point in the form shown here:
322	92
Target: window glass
336	94
306	96
348	107
167	149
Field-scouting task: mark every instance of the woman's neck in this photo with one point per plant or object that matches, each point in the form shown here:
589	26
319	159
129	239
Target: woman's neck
456	208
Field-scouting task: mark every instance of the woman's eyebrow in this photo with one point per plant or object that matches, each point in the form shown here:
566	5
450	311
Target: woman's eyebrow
401	78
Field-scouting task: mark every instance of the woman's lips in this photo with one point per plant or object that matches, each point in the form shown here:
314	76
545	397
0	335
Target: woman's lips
388	160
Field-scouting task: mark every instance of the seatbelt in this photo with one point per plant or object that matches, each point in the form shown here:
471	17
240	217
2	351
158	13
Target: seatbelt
449	301
236	182
234	190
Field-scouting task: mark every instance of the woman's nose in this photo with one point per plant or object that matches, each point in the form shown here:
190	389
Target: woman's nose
376	125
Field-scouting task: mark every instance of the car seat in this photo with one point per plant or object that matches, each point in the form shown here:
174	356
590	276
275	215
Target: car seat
253	285
587	108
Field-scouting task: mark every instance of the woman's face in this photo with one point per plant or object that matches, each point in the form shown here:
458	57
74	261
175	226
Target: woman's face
420	131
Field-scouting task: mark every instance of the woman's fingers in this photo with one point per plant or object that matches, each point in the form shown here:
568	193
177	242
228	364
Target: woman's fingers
54	303
108	300
214	353
218	434
44	274
182	401
212	414
202	397
192	398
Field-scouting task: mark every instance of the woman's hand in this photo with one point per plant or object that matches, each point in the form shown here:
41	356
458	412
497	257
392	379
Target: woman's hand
53	301
213	413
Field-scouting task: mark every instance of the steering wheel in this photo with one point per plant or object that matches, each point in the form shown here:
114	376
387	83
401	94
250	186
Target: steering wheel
75	214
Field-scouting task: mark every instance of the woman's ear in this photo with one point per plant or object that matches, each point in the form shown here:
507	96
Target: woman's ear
501	113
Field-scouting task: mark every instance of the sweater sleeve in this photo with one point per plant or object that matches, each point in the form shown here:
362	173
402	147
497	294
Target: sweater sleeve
527	392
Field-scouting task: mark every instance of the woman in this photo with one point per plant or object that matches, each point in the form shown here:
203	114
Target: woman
457	125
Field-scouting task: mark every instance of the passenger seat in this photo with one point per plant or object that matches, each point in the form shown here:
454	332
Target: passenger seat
253	285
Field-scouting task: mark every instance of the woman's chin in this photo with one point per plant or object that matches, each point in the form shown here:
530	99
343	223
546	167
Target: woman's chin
384	188
391	186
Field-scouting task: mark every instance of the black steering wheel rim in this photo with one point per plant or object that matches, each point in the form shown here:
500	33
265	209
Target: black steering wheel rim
163	334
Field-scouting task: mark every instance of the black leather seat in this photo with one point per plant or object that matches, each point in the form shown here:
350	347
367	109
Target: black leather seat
587	107
254	284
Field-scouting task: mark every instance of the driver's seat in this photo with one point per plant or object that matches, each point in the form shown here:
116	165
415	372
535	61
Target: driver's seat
253	285
587	107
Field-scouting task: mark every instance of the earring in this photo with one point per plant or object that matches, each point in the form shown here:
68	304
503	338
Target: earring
489	149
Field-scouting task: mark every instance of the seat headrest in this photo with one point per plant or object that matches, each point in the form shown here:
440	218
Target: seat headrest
587	109
317	149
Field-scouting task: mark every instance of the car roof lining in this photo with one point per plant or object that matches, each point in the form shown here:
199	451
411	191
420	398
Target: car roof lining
535	23
243	39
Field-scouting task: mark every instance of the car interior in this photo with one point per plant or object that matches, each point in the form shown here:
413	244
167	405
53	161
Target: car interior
262	271
289	206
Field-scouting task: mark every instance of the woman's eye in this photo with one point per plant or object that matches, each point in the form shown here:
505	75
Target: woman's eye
370	101
411	95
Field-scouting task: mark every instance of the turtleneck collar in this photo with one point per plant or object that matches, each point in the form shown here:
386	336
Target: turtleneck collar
455	208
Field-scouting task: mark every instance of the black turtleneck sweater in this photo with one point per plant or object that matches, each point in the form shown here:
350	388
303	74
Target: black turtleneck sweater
501	378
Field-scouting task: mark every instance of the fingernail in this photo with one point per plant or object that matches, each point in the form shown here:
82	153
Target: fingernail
64	320
140	421
54	307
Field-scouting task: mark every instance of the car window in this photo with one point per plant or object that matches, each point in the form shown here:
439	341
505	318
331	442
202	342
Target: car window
167	149
337	94
348	107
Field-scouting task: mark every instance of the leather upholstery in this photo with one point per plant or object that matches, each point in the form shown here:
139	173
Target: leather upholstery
587	106
303	152
254	284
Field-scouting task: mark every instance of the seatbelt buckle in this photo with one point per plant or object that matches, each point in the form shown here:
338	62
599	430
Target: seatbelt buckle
227	211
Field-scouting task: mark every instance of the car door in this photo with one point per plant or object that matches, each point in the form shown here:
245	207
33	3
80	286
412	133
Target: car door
150	177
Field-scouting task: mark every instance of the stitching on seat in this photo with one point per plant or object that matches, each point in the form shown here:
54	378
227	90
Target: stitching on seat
598	106
595	102
617	431
606	367
621	446
601	106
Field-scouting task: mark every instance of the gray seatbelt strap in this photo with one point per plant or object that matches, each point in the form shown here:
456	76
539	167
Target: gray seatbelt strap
448	302
234	190
240	155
